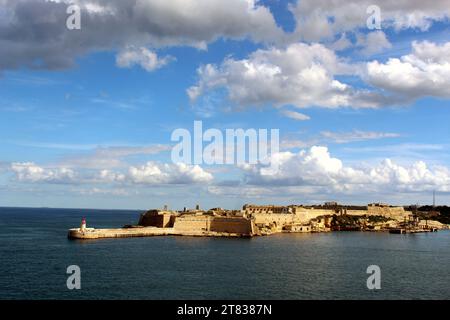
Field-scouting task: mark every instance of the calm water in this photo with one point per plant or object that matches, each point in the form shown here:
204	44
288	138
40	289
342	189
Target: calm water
35	252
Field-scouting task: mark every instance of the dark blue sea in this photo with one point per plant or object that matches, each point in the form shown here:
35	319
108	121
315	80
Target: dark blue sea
35	253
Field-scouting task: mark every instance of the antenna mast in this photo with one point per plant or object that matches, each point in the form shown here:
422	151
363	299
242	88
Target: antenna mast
434	198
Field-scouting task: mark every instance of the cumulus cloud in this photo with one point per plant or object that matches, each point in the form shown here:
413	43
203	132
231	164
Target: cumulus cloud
424	72
374	42
322	19
306	75
30	172
148	60
108	176
180	173
151	173
33	33
342	43
316	167
302	75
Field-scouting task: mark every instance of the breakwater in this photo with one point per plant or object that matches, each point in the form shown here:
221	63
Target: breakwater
91	233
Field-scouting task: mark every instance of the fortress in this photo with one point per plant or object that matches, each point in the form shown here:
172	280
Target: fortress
262	219
318	216
254	220
198	222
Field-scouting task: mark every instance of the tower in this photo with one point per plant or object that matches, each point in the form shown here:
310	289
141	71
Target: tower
83	224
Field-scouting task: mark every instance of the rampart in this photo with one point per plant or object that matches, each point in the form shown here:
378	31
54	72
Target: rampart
156	218
281	216
205	223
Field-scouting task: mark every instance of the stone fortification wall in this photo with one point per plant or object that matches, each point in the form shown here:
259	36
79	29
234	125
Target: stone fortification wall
155	218
397	213
277	219
232	225
193	223
356	212
305	215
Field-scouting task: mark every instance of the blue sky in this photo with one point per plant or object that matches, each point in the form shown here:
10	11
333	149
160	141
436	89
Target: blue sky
86	116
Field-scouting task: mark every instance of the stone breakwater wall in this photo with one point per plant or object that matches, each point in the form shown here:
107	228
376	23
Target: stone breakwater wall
91	233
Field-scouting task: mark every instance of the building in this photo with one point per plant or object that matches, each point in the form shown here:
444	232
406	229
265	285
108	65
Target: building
157	218
195	222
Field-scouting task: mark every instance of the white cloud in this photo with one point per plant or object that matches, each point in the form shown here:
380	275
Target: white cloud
34	34
323	19
107	192
401	151
151	173
341	44
301	75
124	151
328	137
110	176
305	75
374	42
316	167
424	72
293	143
30	172
148	60
154	173
295	115
356	135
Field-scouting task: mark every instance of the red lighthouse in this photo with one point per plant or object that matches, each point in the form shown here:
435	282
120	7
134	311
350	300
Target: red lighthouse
83	224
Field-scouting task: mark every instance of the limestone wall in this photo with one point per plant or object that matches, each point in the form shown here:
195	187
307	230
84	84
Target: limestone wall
277	219
397	213
193	223
357	212
298	228
155	219
232	225
304	215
